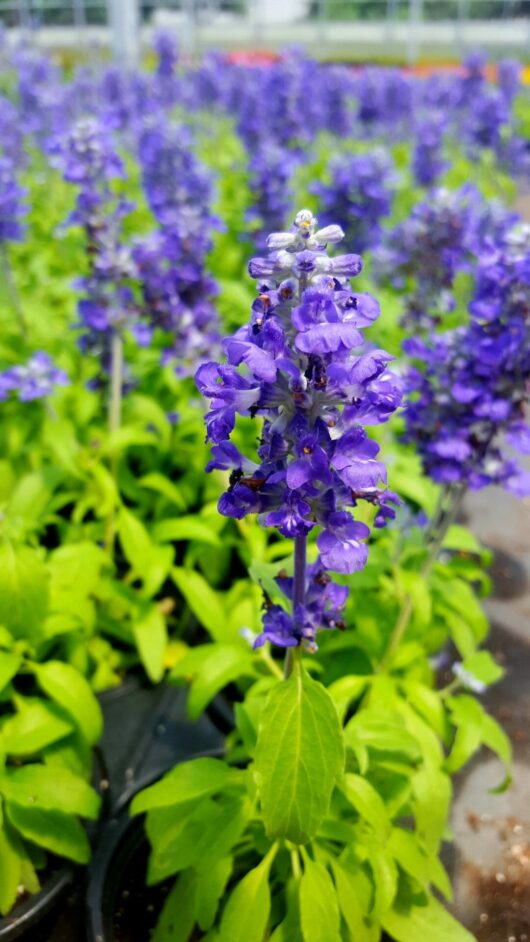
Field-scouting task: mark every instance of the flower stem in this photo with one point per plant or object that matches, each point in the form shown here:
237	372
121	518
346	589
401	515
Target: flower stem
116	381
300	550
434	539
114	414
295	864
11	291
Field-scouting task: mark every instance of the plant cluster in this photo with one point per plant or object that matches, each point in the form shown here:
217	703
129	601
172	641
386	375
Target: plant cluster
305	561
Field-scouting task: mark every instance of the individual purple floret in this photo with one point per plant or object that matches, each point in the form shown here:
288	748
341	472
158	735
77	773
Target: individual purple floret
323	608
427	158
36	379
471	384
303	367
12	208
358	196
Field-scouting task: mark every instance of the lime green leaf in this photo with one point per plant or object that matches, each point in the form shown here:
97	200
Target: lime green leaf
53	830
387	734
64	684
431	788
205	604
39	786
385	874
162	485
354	893
36	725
11	870
368	803
211	884
247	911
185	528
494	737
290	930
299	757
135	540
418	923
209	832
407	850
178	915
319	909
9	665
428	704
211	667
345	690
187	782
150	635
23	590
460	538
483	667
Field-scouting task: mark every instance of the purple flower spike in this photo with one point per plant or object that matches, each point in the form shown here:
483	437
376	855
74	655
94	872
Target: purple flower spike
35	379
301	368
470	385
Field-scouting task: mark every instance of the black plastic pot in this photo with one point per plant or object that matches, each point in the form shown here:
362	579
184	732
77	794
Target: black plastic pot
30	915
168	738
146	733
121	856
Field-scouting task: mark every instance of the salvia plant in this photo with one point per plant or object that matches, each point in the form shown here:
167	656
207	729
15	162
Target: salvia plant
298	836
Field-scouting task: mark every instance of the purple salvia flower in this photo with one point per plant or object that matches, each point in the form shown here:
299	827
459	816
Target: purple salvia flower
470	385
302	366
358	196
12	207
35	379
177	291
427	159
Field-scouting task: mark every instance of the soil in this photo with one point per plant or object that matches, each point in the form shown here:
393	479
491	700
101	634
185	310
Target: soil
491	857
137	905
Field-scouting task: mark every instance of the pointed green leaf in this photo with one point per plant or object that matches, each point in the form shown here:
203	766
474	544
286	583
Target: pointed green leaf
368	803
354	893
211	884
23	590
247	911
418	923
36	725
150	635
299	757
186	782
64	684
41	786
319	909
205	603
178	915
9	665
185	528
53	830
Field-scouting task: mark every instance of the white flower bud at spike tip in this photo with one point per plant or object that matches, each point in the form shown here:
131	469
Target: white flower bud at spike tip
305	220
329	234
280	240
